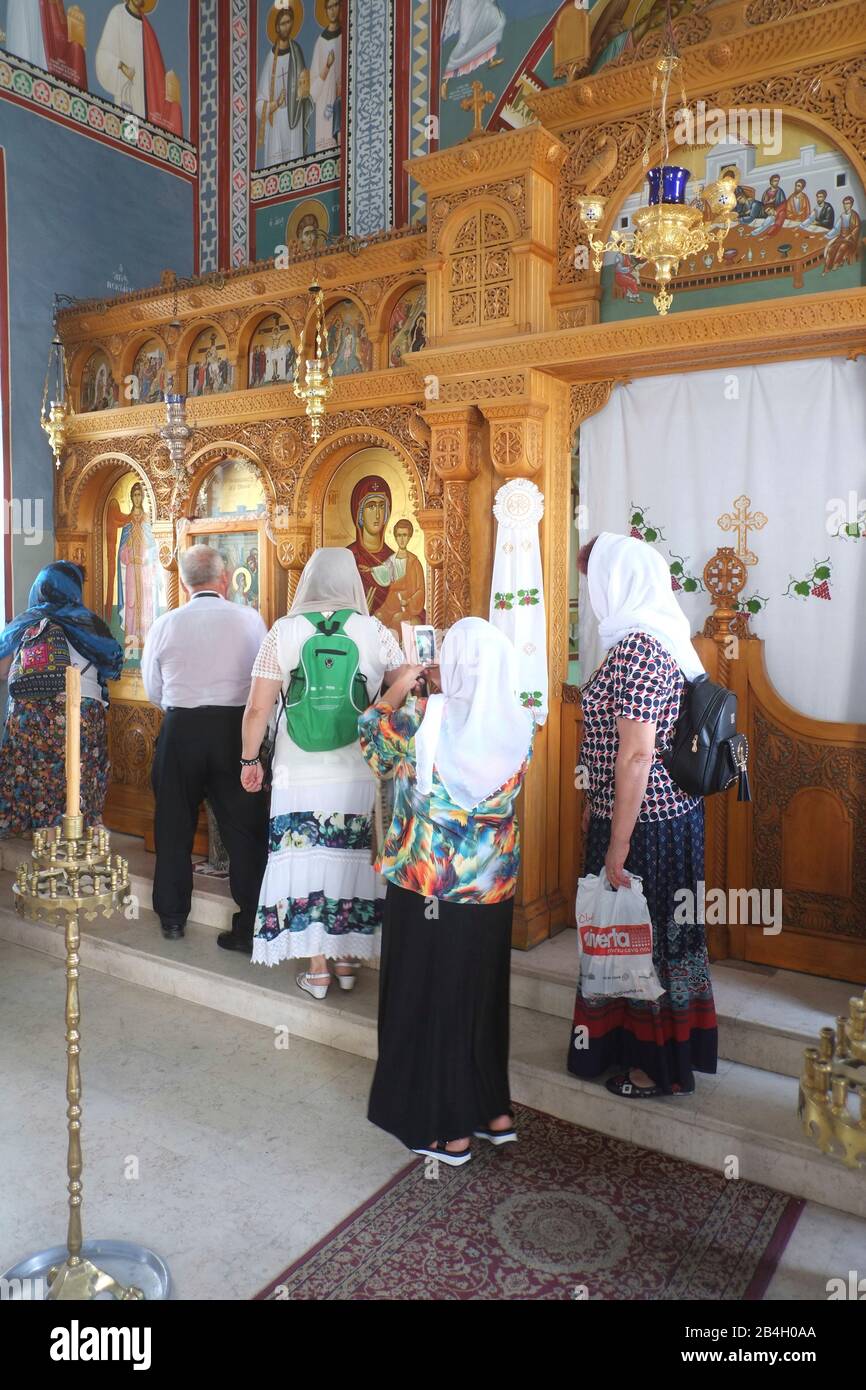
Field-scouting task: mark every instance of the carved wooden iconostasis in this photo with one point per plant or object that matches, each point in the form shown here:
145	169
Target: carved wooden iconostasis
466	352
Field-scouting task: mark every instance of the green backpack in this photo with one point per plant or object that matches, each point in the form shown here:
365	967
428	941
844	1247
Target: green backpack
327	691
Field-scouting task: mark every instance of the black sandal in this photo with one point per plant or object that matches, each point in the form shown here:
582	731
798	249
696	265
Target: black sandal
449	1157
624	1086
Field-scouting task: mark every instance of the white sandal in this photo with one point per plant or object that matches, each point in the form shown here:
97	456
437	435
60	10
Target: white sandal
348	980
304	982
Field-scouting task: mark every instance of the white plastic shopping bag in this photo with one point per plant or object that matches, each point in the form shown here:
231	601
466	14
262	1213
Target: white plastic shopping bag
615	940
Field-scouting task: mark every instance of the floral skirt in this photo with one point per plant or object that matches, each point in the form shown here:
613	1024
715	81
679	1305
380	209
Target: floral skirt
320	895
33	765
677	1035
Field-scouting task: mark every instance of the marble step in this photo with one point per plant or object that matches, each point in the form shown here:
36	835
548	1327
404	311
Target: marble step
766	1016
743	1113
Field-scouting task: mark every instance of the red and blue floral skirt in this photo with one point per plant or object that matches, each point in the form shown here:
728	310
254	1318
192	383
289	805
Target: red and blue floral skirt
33	765
677	1035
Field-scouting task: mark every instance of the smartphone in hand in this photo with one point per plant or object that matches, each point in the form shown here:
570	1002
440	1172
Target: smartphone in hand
425	644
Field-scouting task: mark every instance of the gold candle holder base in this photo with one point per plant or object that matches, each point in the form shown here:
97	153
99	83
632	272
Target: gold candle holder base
78	1279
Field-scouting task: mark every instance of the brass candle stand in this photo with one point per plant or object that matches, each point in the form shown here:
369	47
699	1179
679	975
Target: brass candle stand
832	1071
73	875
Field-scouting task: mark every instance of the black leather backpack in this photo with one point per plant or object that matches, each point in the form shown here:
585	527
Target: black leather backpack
707	754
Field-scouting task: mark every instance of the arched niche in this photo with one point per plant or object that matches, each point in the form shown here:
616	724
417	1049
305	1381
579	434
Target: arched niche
230	506
402	321
330	482
788	261
112	523
206	364
267	344
94	380
146	359
349	337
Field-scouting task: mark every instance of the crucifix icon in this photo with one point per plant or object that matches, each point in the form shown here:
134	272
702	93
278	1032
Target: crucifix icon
741	520
476	104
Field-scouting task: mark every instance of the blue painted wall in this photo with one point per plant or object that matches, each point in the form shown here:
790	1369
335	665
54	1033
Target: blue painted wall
86	220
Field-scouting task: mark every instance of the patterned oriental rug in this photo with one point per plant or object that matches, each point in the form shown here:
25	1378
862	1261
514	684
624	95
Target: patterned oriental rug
565	1213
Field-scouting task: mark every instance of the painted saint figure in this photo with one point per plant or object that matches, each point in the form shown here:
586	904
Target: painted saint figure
129	65
794	210
823	215
326	76
371	508
844	248
137	572
38	32
772	199
478	26
283	96
404	574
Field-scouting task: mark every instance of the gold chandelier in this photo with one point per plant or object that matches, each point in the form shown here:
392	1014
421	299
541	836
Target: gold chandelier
56	412
314	374
668	229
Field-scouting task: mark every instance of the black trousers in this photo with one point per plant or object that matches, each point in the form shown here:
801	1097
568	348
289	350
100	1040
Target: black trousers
198	755
443	1018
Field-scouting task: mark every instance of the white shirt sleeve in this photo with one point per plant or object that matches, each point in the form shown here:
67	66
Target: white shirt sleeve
389	648
151	674
267	664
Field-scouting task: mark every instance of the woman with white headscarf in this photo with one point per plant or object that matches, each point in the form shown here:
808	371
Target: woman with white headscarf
451	857
638	821
320	897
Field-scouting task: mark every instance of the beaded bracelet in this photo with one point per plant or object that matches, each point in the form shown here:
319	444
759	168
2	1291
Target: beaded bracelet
249	762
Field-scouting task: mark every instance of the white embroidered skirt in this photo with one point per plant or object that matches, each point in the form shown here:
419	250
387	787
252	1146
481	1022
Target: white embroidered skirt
320	895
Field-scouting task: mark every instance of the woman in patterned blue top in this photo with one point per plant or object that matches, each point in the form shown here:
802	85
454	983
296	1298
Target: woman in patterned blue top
638	821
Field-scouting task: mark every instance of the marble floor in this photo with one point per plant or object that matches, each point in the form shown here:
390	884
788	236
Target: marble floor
222	1150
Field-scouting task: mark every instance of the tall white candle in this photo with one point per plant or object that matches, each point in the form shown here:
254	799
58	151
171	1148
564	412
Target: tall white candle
73	741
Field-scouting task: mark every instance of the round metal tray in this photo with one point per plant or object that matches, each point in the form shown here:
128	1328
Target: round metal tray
125	1261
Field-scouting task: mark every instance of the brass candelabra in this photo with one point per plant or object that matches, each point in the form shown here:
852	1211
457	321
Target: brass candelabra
833	1072
73	875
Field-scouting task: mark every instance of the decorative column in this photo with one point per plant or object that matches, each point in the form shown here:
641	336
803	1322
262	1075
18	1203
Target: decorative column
431	520
726	835
516	438
294	547
455	452
164	535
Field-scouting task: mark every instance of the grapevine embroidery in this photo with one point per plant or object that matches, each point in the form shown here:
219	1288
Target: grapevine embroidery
755	603
530	699
816	584
682	578
527	597
640	528
505	601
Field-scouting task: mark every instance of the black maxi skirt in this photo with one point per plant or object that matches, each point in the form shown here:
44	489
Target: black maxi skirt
443	1018
676	1036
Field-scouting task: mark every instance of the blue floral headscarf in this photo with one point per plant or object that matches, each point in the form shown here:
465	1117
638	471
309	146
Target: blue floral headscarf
56	594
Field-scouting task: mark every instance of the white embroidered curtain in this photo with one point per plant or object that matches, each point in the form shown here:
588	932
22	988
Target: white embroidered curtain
517	589
770	460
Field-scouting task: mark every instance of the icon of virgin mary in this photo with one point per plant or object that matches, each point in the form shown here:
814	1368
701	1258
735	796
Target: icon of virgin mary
371	508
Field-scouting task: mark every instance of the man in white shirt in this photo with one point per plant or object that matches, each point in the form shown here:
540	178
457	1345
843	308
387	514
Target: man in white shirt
197	665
